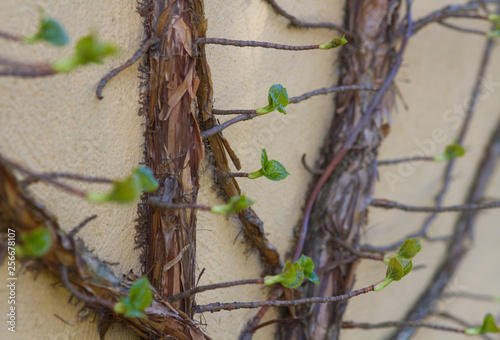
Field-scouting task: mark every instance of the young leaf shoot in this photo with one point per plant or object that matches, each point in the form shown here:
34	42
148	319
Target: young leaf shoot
271	169
452	151
278	99
129	189
397	269
336	42
293	275
488	326
235	204
408	250
140	297
34	244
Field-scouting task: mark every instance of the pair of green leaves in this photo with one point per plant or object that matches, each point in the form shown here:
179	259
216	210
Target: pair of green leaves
293	275
488	326
88	49
35	243
400	264
129	189
336	42
139	298
235	204
452	151
271	169
277	98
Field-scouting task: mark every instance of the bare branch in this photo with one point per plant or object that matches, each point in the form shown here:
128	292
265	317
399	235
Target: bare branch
251	43
298	23
217	306
363	325
386	204
146	45
405	159
199	289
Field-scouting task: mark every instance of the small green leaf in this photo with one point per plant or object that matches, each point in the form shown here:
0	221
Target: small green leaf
35	244
277	98
271	169
51	31
395	270
263	158
140	297
493	17
88	50
488	326
129	189
336	42
452	151
307	266
235	204
275	171
141	294
409	249
148	180
292	276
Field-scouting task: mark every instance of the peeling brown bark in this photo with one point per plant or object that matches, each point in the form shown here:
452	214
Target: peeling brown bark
173	147
341	207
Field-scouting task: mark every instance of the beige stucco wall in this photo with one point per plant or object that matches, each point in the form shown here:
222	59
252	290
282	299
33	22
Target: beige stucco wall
56	124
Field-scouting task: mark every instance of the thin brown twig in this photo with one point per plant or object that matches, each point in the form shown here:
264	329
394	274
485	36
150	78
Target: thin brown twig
356	252
51	181
354	135
405	159
299	23
364	325
327	90
217	306
453	11
10	36
462	29
386	204
272	322
218	128
57	175
82	224
234	174
146	45
199	289
251	43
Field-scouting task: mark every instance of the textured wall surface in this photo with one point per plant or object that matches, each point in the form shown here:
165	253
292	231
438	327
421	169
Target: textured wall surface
57	124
